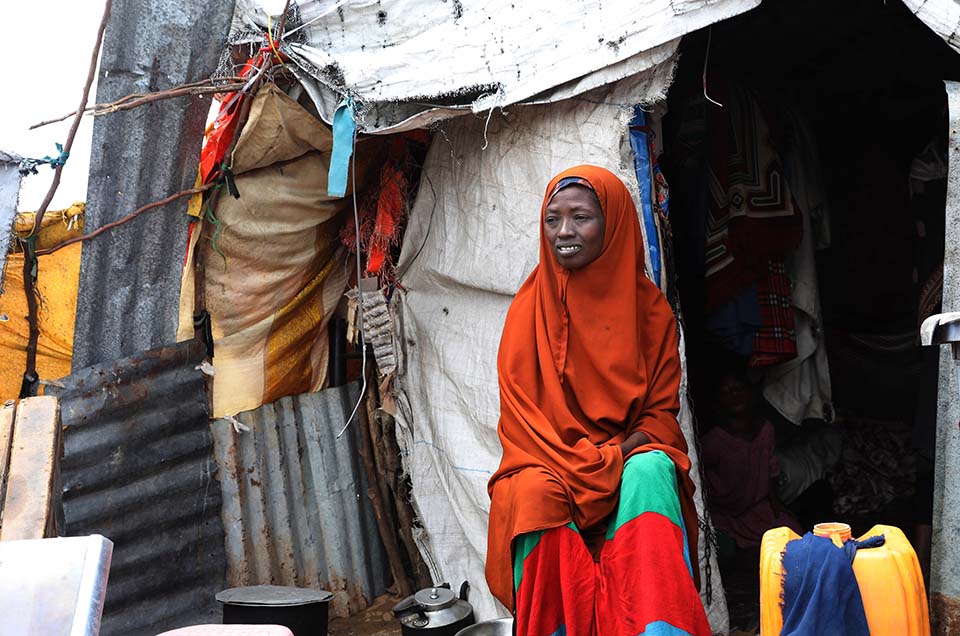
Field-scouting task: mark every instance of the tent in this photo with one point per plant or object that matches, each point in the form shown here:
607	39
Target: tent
513	92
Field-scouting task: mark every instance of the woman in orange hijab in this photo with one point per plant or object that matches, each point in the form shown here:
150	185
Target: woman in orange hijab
592	521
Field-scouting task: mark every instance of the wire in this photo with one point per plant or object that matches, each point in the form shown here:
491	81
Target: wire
706	60
363	341
338	5
429	225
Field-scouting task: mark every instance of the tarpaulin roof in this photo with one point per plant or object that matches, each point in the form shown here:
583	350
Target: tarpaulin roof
410	62
942	16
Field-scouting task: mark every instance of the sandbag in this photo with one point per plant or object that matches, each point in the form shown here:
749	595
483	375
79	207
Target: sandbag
275	269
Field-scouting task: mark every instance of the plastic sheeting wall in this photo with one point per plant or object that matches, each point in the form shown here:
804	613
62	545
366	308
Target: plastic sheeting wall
471	241
295	507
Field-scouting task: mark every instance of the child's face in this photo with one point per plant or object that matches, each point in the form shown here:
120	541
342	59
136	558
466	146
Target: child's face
735	401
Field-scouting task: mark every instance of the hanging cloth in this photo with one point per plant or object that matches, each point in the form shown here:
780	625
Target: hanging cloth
752	216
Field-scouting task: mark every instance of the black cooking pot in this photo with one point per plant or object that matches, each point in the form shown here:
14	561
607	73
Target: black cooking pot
303	611
435	611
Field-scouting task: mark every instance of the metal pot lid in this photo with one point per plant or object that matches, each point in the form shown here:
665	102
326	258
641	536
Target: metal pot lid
273	595
435	598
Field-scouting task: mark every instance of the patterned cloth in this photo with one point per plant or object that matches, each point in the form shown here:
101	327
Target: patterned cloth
752	217
776	340
642	582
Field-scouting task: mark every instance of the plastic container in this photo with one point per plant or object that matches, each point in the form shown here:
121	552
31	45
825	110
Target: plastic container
889	577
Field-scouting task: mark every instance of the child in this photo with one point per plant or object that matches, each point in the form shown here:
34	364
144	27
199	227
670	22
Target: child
740	465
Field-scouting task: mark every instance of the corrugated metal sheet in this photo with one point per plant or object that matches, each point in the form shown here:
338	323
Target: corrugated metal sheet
130	278
295	507
138	468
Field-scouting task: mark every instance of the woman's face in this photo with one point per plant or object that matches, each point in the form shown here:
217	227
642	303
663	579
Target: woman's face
574	226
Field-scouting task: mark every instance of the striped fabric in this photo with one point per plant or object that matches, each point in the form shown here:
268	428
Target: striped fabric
776	339
642	583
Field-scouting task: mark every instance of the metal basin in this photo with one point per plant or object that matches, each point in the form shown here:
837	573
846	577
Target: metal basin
496	627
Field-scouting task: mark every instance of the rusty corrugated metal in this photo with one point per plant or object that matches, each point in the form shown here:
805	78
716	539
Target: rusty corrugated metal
138	468
295	507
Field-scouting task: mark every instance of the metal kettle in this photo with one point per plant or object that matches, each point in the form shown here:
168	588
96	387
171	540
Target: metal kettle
435	611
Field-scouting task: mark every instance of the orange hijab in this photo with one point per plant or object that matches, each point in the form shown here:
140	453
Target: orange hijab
586	358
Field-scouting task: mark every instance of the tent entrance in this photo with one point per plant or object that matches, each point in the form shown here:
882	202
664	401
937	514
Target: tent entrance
808	225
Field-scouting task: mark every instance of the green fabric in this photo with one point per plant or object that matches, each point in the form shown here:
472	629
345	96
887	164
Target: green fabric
523	546
649	484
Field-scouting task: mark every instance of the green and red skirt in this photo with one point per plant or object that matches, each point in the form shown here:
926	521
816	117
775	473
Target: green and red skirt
642	582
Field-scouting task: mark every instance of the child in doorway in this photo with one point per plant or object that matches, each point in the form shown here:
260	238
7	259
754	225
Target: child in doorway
740	465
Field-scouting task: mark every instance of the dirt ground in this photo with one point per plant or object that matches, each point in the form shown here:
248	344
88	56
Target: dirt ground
376	620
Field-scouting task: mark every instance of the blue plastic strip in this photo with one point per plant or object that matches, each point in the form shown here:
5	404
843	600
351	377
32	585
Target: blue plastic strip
344	130
640	142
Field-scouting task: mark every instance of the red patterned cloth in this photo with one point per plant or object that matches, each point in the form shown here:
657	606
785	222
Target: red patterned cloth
776	340
752	216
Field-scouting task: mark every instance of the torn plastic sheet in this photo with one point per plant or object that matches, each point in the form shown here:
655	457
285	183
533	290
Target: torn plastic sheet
410	63
942	16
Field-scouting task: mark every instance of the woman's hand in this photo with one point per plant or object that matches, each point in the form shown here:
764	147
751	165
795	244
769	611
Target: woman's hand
634	441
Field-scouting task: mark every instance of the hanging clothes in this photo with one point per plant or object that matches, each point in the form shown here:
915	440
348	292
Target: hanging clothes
776	340
735	324
752	217
800	388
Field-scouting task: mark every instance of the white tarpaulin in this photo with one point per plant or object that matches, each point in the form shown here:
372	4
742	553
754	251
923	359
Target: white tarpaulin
472	239
9	197
407	62
942	16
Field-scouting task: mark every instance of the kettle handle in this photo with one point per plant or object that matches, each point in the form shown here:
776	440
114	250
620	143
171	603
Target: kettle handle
464	590
409	606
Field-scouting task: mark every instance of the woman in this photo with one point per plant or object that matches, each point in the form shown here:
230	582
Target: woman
582	542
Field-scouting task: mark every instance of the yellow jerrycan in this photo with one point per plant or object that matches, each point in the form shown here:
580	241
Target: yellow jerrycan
889	577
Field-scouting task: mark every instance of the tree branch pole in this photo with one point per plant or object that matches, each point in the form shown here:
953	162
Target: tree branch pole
203	87
129	217
170	94
30	379
386	523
